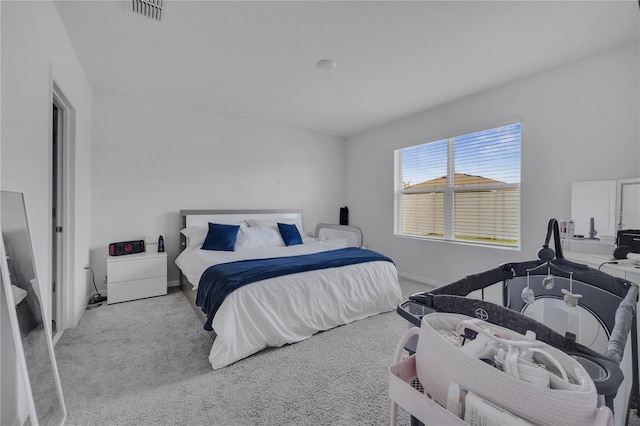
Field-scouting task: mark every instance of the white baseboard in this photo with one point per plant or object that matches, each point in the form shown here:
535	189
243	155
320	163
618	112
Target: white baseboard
424	280
174	283
56	337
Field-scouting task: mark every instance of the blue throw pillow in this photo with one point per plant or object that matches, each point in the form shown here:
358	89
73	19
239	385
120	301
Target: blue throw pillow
221	237
290	234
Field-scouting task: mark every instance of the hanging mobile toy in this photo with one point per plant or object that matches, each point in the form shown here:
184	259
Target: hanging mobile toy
548	281
570	298
527	293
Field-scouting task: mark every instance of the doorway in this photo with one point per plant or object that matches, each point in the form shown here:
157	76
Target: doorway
61	139
57	194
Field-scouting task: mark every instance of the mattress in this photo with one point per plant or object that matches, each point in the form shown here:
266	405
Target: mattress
291	308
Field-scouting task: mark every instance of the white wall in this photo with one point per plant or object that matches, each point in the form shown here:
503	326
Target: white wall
579	122
35	48
151	160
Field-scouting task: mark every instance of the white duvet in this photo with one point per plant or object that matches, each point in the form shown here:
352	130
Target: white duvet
290	308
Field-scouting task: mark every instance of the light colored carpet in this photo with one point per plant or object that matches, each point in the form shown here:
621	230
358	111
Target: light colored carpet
146	362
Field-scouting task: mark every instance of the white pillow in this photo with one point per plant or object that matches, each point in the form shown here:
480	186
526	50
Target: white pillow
262	222
274	223
195	234
258	236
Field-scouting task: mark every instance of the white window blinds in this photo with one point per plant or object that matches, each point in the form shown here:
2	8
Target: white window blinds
465	188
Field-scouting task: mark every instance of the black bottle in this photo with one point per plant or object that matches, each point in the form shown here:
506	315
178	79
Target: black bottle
161	244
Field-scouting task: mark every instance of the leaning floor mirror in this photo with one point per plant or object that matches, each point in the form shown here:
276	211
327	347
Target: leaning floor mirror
30	329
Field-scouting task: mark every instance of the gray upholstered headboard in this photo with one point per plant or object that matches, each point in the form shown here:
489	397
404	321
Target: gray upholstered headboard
352	234
203	217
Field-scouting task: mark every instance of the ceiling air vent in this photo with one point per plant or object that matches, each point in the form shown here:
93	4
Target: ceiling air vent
149	8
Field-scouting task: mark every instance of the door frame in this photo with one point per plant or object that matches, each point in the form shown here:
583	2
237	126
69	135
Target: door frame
66	137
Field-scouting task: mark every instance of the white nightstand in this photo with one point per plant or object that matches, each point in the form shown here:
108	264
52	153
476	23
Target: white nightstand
136	276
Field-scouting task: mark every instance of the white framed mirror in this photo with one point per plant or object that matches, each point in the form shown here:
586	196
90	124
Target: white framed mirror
594	199
30	328
628	207
613	204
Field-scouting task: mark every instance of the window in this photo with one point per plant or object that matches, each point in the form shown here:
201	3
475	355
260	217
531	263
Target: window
465	188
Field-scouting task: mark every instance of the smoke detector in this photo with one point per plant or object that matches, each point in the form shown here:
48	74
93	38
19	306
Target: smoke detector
149	8
326	64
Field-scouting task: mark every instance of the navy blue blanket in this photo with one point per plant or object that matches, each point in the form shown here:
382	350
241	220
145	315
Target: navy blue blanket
218	281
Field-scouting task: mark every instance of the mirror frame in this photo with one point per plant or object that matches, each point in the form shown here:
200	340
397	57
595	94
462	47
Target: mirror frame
620	207
15	324
614	210
594	199
15	329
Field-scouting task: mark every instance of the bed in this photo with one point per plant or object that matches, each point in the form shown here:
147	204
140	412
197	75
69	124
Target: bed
272	310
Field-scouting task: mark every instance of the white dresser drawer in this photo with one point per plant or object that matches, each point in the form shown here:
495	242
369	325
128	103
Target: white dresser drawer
131	290
135	268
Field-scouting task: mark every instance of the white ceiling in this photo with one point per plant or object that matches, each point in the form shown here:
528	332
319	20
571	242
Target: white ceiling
257	59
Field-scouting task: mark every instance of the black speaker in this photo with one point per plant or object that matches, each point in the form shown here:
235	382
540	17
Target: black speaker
126	247
344	216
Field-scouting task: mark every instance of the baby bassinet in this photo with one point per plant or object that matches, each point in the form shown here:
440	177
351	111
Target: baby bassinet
559	288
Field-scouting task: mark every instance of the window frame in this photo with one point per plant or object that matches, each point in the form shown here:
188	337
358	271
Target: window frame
449	192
